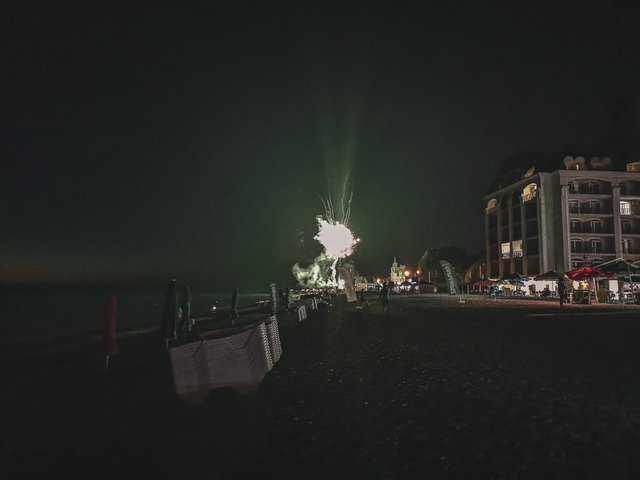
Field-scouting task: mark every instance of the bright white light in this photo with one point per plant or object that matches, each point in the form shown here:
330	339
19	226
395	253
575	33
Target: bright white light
337	239
338	242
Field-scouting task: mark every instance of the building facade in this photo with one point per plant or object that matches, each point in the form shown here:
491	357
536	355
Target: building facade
562	220
397	272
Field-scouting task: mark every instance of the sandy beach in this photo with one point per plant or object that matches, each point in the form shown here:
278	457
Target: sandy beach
434	389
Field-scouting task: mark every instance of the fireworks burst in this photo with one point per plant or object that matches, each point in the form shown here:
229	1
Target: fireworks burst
338	242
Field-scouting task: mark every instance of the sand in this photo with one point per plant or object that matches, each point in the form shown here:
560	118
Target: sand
435	389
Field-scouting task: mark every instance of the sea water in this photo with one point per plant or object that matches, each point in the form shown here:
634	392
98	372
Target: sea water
49	315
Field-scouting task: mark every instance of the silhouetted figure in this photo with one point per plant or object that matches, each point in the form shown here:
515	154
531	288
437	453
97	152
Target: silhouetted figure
545	292
185	308
562	291
385	294
168	324
109	339
361	298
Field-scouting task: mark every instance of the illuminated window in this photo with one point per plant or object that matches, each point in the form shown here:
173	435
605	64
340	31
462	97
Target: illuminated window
517	248
625	208
505	250
529	192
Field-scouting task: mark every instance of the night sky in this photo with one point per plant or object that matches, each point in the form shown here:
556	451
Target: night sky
140	144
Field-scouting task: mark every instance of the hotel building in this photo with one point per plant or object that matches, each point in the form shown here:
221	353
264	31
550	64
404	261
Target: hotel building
563	219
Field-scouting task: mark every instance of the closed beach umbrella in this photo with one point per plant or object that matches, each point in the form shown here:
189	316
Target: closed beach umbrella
234	304
109	339
185	304
168	325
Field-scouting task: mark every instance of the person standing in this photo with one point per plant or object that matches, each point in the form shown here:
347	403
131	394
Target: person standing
385	294
361	298
562	291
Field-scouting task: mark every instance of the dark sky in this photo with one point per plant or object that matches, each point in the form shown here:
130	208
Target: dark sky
146	143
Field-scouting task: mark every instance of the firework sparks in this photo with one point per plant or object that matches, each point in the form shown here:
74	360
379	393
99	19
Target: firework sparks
336	238
338	242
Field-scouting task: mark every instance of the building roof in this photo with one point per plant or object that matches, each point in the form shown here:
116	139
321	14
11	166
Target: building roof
523	164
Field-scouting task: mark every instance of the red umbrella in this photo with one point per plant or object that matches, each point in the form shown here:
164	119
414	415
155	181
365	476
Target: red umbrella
109	339
586	273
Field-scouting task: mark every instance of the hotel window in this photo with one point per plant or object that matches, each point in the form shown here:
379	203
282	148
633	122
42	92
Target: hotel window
593	187
625	208
596	246
573	187
595	226
626	227
574	207
505	250
623	189
594	206
574	226
626	245
517	248
575	263
576	246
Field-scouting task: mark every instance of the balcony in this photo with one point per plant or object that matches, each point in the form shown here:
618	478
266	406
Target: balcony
591	188
629	208
630	188
596	251
587	209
